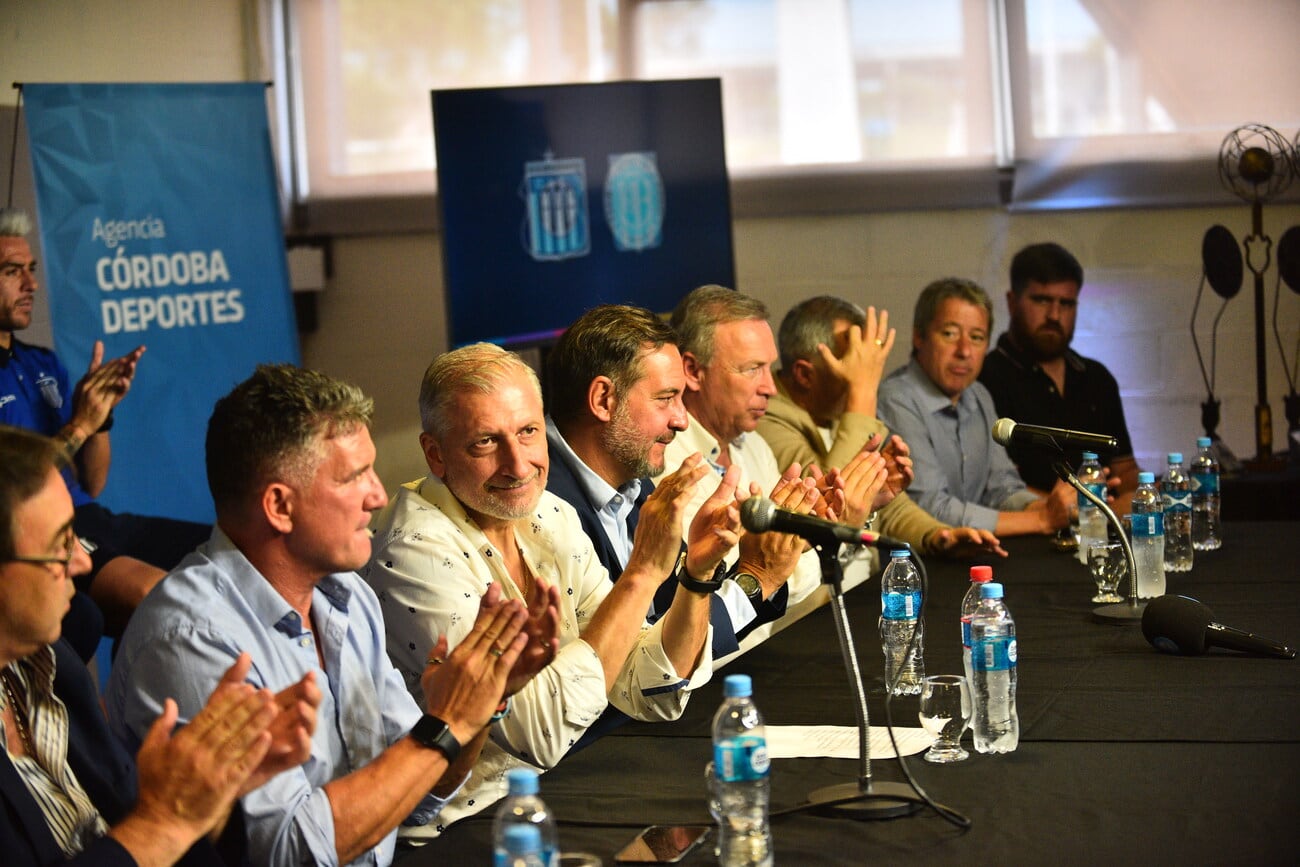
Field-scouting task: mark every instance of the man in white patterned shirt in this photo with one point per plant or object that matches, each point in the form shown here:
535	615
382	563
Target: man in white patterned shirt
483	517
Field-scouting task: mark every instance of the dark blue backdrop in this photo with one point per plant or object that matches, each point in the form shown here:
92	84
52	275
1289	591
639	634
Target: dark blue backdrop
498	290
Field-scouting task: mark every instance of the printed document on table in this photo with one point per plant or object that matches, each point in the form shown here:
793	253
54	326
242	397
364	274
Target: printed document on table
841	742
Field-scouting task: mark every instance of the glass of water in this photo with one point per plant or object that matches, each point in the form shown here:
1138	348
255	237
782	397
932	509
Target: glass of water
945	713
1108	566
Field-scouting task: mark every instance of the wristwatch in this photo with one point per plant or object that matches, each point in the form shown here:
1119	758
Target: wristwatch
750	585
694	584
435	734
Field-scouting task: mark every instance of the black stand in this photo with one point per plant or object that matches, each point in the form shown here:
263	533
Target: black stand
863	799
1115	612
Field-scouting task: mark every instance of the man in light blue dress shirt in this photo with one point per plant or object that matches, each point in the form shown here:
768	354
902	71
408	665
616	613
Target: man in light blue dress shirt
291	468
935	403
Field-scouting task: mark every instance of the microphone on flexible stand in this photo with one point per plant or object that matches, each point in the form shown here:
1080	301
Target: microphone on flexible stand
1180	624
865	798
1008	433
761	515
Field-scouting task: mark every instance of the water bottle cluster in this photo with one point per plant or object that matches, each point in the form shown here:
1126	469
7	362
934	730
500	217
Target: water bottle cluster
1169	520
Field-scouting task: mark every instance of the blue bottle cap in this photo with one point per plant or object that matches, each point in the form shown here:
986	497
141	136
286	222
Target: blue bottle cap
737	685
1203	442
522	781
1145	478
1090	456
1175	457
900	554
991	590
523	839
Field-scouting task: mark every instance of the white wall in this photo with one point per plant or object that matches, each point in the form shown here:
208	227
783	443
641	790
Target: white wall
381	317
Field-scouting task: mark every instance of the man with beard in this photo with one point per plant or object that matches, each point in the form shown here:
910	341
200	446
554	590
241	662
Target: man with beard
946	417
483	518
1035	378
615	403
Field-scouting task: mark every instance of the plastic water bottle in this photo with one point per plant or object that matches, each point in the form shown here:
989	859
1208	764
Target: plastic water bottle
1176	496
979	575
1148	538
993	661
739	778
523	808
1205	498
523	844
900	603
1092	522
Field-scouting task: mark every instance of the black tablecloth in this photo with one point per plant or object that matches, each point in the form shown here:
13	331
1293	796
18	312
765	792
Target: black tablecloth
1125	755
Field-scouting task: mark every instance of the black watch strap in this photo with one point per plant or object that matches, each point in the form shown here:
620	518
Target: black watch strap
695	585
435	734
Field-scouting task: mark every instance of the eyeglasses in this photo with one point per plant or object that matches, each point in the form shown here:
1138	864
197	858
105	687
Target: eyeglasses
70	542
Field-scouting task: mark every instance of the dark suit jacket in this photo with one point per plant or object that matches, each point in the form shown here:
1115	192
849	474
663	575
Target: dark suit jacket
106	772
564	484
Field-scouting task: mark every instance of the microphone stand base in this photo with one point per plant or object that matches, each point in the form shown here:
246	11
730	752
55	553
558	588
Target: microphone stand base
1119	612
881	801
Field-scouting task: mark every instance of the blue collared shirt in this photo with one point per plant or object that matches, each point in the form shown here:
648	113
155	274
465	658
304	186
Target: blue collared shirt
962	477
215	605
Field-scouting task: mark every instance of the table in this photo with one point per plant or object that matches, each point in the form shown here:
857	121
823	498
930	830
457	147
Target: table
1126	755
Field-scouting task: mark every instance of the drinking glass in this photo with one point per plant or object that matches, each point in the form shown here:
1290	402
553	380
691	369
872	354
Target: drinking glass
1108	566
945	713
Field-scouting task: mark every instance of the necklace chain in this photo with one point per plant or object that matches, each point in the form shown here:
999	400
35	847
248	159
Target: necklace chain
20	717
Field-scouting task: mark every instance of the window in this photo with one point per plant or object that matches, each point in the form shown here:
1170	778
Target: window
1052	88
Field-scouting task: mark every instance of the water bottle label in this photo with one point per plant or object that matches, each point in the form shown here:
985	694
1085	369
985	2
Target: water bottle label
1099	490
548	857
1152	524
900	606
1205	483
965	632
741	760
994	654
1179	502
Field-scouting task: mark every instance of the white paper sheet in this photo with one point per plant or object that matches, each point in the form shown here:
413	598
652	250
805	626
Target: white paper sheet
841	742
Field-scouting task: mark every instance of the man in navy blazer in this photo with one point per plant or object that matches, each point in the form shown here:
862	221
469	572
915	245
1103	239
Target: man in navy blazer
615	401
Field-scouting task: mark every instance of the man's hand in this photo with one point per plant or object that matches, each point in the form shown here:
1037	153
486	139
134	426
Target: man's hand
715	530
190	779
1058	504
858	486
464	689
964	543
291	730
771	557
898	461
658	537
543	630
102	388
863	363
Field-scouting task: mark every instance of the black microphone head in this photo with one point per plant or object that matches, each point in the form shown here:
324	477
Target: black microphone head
1288	258
1221	259
1002	429
1177	624
757	514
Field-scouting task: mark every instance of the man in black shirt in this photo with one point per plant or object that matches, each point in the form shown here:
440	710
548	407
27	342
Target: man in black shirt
1035	377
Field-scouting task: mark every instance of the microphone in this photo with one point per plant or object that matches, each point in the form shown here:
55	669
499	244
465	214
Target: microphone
760	515
1180	624
1007	433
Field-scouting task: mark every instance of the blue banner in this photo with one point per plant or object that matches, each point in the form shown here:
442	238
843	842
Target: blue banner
160	226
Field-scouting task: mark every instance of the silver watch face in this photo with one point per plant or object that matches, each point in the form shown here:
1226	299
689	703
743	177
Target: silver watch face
749	584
